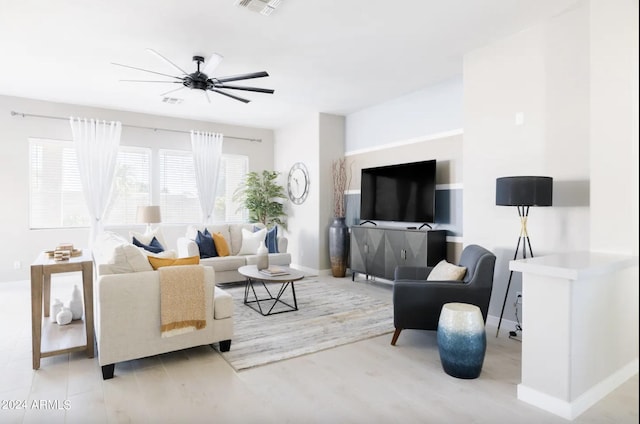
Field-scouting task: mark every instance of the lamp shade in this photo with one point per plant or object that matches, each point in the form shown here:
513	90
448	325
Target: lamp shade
148	214
524	191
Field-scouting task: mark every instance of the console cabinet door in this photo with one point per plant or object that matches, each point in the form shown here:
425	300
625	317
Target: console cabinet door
404	248
367	251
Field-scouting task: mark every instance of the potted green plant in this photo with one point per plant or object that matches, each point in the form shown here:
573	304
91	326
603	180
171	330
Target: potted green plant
262	196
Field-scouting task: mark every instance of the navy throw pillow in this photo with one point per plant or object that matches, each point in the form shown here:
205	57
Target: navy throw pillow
154	245
205	244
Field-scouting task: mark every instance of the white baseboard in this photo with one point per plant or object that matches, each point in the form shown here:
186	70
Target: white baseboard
571	410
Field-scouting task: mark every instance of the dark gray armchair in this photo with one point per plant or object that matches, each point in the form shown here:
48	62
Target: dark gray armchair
417	302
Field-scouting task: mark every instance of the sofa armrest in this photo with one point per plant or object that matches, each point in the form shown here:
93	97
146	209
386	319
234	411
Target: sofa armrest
127	314
283	243
187	248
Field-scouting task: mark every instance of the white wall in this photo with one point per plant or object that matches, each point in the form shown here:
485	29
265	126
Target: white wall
614	126
542	73
433	110
22	244
300	143
316	142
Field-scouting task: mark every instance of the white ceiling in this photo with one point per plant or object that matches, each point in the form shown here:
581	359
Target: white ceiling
332	56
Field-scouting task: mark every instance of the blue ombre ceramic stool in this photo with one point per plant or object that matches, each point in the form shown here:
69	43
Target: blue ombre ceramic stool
462	341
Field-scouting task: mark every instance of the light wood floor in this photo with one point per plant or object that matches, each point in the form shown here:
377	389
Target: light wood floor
364	382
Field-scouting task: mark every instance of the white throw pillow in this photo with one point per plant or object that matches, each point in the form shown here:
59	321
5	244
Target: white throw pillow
446	271
128	258
105	244
167	254
251	241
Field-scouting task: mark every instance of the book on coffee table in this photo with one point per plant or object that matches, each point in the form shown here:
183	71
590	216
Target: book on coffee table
273	271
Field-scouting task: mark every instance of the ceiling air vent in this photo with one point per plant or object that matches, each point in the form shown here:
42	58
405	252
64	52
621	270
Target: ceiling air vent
264	7
171	100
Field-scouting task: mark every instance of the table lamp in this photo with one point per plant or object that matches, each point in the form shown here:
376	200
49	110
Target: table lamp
522	192
148	215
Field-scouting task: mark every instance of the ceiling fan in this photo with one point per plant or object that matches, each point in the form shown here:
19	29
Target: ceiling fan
201	79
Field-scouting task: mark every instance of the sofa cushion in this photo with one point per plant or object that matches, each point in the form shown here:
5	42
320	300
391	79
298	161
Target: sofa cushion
153	246
445	271
128	258
251	241
206	246
226	263
160	262
222	247
222	304
283	259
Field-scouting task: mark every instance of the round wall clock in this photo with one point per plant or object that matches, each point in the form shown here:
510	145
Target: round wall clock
298	183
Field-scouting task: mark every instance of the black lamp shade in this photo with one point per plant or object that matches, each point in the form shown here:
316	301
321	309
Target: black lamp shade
524	191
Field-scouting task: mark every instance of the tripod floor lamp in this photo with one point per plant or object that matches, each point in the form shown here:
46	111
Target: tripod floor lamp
522	192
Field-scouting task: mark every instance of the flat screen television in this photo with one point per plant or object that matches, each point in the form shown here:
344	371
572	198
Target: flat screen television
404	192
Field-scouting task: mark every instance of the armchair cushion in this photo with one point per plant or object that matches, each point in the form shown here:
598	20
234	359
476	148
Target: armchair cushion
445	271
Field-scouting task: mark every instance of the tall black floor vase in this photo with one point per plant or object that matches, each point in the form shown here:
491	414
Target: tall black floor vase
338	247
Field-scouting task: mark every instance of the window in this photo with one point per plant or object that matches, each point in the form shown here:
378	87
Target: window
55	188
178	191
179	194
131	185
57	200
233	168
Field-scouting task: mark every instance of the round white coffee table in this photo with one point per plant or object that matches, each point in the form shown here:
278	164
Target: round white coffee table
255	277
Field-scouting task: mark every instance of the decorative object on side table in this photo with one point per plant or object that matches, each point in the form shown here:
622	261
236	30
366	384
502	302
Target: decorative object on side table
56	307
63	252
338	230
64	317
75	304
522	192
462	340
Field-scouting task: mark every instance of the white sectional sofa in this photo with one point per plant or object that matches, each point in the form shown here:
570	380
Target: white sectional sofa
226	267
127	309
127	318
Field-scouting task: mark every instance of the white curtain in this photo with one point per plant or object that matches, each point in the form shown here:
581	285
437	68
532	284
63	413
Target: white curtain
207	152
96	145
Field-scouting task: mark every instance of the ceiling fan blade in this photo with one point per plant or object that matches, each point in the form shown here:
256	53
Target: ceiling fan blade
206	95
241	77
128	80
237	87
230	95
212	63
168	61
174	90
146	70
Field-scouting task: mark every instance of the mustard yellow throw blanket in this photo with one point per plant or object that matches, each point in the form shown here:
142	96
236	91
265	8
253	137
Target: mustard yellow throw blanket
182	300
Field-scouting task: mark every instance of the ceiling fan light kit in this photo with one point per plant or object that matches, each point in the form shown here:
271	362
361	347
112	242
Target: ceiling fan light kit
200	80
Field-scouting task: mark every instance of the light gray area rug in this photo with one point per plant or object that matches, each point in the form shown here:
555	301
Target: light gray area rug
330	313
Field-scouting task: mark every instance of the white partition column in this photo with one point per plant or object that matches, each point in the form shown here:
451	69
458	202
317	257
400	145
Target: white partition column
581	316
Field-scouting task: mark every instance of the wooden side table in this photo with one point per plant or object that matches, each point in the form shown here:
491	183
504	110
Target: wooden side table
48	338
